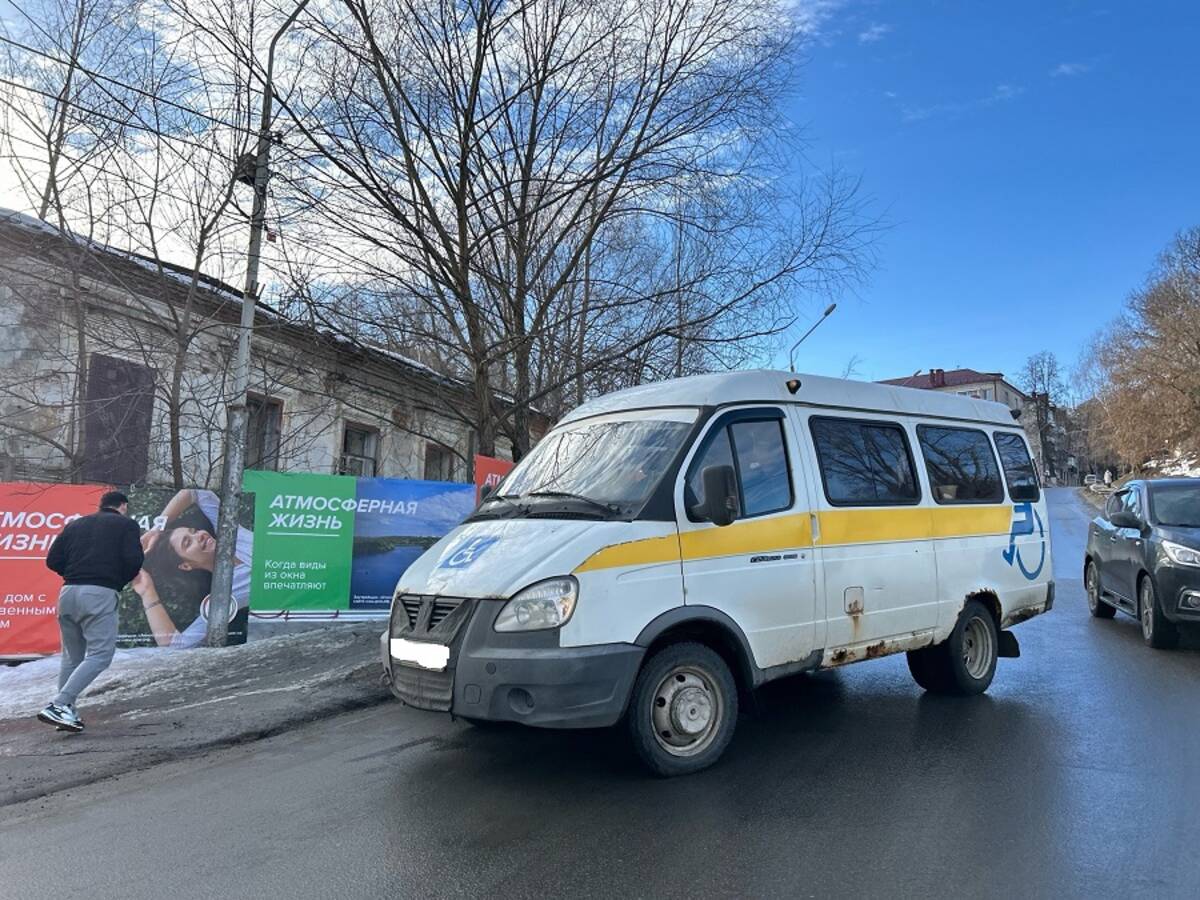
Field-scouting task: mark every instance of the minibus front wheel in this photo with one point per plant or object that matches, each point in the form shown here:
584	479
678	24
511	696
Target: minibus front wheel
683	709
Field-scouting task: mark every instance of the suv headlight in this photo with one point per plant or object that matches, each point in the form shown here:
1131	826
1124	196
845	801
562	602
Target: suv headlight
547	604
1184	556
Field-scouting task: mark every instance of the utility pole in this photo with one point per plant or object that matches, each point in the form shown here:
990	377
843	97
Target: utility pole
221	602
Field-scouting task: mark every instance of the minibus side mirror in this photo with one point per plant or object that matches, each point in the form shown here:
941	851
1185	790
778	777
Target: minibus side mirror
486	491
720	495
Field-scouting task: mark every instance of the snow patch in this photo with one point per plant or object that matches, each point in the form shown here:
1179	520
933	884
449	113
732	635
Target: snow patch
1176	466
141	672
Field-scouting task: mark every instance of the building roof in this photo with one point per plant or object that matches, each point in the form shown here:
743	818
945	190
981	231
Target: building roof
952	378
24	235
767	386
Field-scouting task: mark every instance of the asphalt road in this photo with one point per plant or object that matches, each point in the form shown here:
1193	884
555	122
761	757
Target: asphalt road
1077	775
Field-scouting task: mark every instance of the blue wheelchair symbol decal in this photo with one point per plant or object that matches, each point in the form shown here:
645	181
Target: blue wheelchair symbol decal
1028	518
467	552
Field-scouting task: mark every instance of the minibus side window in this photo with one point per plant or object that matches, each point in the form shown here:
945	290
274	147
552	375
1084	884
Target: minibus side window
864	463
762	467
1018	467
719	452
755	448
961	464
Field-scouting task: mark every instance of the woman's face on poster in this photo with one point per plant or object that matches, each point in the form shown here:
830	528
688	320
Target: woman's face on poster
197	548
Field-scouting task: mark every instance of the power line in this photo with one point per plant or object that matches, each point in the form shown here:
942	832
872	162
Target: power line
105	169
124	122
125	86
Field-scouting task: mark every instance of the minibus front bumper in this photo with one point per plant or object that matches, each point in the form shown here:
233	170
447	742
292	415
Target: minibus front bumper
510	677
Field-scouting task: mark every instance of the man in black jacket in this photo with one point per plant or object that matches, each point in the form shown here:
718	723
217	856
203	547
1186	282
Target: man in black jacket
97	556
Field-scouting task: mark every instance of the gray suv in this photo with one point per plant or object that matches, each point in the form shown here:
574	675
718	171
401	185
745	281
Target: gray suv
1143	557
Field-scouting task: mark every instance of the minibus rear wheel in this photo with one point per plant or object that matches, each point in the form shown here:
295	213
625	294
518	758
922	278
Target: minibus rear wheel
683	709
964	663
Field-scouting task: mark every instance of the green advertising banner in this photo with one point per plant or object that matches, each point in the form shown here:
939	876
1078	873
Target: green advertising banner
333	543
303	540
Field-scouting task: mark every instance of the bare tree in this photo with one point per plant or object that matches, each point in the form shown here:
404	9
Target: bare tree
1041	378
548	196
1144	368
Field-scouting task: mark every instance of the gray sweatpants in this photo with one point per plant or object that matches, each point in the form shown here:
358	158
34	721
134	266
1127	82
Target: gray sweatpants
87	618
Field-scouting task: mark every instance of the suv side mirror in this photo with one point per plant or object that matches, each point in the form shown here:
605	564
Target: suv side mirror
1125	519
720	495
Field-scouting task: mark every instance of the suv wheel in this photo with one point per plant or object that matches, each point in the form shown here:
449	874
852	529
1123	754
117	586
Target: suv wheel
964	663
1091	582
1157	631
683	710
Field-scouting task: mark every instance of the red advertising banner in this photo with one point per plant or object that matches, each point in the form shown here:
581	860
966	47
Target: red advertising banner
31	516
488	473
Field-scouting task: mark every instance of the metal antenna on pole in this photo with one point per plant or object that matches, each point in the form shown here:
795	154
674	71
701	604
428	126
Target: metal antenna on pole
825	315
221	601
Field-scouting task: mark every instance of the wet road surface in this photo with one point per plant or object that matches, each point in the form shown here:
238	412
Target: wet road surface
1077	775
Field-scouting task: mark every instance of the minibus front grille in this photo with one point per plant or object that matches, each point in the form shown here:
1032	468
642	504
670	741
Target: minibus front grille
423	614
441	608
411	605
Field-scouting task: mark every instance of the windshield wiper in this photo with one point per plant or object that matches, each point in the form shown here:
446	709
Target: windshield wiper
608	508
509	500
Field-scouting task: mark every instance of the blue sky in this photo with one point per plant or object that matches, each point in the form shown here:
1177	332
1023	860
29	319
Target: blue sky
1032	160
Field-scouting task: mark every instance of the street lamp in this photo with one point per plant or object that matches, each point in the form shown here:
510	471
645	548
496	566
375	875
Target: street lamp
825	315
221	593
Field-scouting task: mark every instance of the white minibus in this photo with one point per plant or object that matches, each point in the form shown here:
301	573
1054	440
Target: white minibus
667	549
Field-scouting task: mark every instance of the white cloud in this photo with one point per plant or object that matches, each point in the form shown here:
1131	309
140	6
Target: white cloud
1002	93
811	16
873	33
1069	70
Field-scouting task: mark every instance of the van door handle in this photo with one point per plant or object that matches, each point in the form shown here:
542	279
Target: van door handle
816	527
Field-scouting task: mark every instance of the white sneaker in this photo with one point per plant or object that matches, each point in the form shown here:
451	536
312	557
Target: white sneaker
62	716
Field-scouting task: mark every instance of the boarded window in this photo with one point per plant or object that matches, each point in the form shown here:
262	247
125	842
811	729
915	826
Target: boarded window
439	463
117	415
264	421
360	449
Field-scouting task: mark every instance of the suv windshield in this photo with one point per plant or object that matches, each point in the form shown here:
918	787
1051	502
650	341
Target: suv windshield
1176	504
611	461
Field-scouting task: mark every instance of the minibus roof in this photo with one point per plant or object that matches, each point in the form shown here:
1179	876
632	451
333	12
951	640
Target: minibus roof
768	386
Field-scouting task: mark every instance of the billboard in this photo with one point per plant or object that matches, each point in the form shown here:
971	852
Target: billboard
166	605
31	516
331	543
489	472
305	543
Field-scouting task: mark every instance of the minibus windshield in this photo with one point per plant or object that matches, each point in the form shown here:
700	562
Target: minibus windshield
609	462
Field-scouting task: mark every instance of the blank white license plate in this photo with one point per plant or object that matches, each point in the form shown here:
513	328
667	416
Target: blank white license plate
419	653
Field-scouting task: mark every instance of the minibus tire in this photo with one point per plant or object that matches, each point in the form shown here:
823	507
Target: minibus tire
975	633
928	668
704	675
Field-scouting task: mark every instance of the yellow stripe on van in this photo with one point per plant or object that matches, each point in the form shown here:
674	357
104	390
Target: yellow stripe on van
966	521
839	527
752	536
910	523
646	552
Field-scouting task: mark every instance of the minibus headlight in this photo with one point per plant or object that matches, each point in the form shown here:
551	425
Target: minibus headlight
547	604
